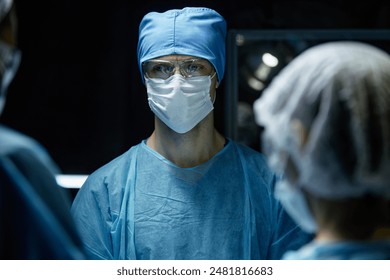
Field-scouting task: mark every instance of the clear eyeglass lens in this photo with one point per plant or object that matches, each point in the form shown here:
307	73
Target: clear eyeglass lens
163	69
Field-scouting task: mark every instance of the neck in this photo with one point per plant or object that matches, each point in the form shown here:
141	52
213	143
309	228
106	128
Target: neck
188	149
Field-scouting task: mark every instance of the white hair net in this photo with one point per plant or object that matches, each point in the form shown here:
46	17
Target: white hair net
340	93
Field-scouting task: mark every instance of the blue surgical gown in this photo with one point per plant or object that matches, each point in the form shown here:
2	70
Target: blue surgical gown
142	206
35	222
346	250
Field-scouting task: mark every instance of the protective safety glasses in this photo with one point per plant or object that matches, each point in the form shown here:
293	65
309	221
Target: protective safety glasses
163	69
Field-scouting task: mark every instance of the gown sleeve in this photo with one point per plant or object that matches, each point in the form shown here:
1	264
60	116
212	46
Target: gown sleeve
102	209
92	215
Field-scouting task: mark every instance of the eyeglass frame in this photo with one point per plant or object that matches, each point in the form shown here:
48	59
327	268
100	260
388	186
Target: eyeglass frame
179	64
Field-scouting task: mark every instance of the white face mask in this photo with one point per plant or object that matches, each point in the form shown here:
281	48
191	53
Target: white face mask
181	103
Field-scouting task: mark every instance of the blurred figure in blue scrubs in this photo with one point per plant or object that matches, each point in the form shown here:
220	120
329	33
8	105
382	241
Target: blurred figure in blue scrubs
326	120
35	219
185	192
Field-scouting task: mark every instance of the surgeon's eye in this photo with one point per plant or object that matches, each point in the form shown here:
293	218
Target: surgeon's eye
162	69
158	69
191	69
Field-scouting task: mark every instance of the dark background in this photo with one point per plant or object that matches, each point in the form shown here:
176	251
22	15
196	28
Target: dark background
78	90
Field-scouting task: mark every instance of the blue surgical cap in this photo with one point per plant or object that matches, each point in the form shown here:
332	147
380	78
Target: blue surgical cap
199	32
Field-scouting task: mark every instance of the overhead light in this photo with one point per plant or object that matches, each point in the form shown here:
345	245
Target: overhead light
255	84
262	72
270	60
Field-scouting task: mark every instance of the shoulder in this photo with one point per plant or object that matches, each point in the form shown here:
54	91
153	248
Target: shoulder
254	159
12	142
249	152
105	188
255	166
11	139
113	173
119	164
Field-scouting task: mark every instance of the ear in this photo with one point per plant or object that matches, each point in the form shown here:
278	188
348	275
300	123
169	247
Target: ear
301	134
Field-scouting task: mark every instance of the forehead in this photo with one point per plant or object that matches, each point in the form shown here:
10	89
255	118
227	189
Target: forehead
177	57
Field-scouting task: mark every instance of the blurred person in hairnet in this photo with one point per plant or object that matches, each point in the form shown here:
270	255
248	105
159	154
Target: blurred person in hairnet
326	120
185	192
35	219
